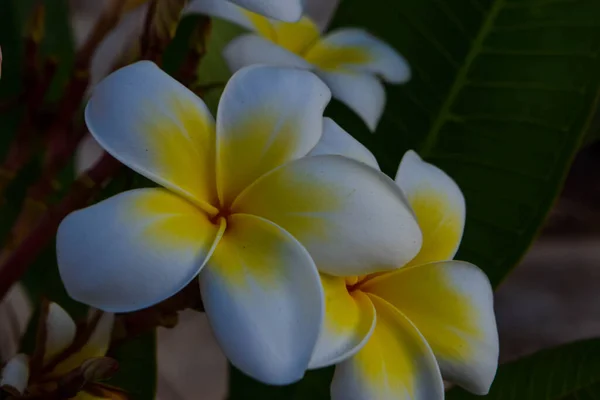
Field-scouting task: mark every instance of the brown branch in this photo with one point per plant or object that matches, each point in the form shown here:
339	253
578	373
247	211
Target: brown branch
14	265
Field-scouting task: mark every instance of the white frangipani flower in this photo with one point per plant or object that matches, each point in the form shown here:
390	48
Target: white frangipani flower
394	335
241	206
350	61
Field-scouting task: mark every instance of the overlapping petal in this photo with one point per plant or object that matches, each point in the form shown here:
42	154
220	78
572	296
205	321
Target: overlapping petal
352	218
285	10
336	140
395	364
250	49
233	13
363	93
296	37
451	304
59	331
267	116
157	127
348	324
357	50
133	250
438	204
263	298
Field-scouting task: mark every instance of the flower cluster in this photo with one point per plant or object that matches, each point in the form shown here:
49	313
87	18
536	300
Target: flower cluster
350	61
306	254
68	360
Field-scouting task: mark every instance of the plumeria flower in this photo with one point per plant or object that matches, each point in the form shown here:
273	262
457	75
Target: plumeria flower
350	61
240	204
394	335
65	354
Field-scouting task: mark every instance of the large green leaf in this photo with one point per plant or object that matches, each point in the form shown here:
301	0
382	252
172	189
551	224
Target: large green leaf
501	94
570	372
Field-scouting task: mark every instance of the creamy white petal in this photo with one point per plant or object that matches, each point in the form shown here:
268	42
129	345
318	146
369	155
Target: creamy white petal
362	93
336	140
59	331
263	298
159	128
359	51
15	375
267	117
285	10
438	204
348	324
133	250
88	153
353	219
395	364
252	49
451	304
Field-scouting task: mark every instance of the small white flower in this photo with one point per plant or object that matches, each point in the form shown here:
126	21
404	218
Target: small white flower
350	61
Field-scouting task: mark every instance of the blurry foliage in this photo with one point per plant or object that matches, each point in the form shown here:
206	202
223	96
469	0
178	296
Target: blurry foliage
570	372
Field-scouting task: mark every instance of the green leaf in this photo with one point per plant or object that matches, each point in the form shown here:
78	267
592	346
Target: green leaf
501	94
570	372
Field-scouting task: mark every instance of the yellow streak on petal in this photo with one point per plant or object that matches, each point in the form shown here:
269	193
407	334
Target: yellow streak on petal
388	360
184	147
301	205
262	24
248	253
343	313
173	221
331	58
426	295
256	145
296	37
441	225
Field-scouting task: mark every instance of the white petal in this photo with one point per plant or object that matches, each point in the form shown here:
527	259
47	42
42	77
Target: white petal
395	364
15	375
359	51
284	10
230	12
267	116
60	331
263	298
451	304
133	250
159	128
348	324
88	153
335	140
362	93
438	204
251	49
353	219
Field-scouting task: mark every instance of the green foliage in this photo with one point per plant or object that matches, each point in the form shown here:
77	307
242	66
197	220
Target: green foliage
570	372
500	97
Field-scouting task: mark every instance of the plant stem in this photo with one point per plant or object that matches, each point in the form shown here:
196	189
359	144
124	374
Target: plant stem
14	265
